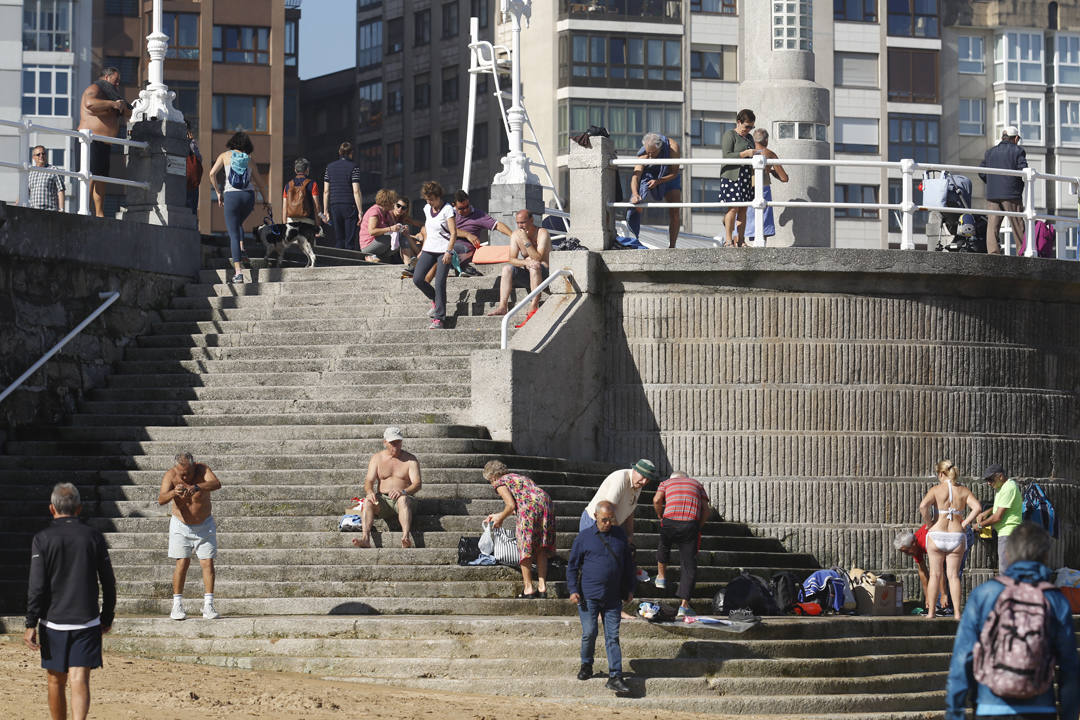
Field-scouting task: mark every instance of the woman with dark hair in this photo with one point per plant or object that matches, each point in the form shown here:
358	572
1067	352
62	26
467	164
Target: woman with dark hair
735	180
238	197
535	526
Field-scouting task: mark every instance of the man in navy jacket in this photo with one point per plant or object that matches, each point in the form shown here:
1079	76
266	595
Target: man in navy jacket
601	555
1004	192
1028	551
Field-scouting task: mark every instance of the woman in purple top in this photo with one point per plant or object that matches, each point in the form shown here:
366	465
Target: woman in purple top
535	523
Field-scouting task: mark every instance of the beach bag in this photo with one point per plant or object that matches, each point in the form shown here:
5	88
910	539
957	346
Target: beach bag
1045	239
468	549
501	544
786	590
1038	509
239	172
745	592
298	202
1014	656
831	589
350	523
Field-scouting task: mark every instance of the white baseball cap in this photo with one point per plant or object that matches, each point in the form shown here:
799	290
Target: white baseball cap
392	433
1011	131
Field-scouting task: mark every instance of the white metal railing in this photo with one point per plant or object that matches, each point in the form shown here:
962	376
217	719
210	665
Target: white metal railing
521	305
109	297
906	206
85	137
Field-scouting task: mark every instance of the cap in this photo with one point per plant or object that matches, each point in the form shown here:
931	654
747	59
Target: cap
1011	131
991	471
392	433
645	468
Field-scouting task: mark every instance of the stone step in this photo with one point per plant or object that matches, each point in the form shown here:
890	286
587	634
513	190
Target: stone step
388	394
153	408
370	274
287	380
347	286
414	433
432	343
212	368
252	445
375	313
364	322
315	338
178	419
468	301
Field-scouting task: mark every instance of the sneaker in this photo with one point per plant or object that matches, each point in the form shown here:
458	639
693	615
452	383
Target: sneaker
642	576
617	684
470	271
209	612
436	324
237	278
431	312
685	612
585	671
178	611
660	583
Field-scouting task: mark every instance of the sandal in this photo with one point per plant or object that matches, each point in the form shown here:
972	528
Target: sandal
526	596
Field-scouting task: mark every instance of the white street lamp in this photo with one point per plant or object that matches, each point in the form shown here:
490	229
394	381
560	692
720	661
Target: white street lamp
156	100
516	164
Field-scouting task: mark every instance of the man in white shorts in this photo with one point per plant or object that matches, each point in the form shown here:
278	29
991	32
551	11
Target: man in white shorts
188	485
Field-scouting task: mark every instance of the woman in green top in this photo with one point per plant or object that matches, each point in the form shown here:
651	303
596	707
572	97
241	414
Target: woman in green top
735	180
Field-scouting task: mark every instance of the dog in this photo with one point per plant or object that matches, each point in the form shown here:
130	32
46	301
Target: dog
277	237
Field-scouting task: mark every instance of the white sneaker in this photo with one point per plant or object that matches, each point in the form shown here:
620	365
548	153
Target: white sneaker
177	611
208	611
431	312
642	576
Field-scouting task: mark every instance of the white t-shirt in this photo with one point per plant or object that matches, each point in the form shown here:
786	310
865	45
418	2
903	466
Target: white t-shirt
617	490
438	233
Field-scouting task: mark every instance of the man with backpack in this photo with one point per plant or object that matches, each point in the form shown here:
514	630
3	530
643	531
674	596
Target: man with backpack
301	201
1014	630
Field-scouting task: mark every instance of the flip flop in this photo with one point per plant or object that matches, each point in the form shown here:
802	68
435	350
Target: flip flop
527	318
526	596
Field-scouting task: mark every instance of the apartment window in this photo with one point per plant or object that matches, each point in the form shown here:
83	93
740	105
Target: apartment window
128	67
896	196
913	75
241	44
1068	60
422	27
449	84
717	7
125	8
240	112
187	100
395	98
369	47
395	35
450	20
793	27
855	10
422	153
618	60
970	116
369	158
705	190
362	4
480	141
451	149
291	43
47	25
46	90
481	10
855	135
857	70
970	53
183	32
370	95
625	121
719	64
707	130
422	91
914	18
395	160
1069	121
855	194
1026	114
914	136
1018	57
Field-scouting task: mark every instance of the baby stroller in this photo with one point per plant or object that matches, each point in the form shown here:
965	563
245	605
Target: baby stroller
966	232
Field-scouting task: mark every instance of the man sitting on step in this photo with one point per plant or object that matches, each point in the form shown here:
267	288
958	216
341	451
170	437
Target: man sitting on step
393	478
192	528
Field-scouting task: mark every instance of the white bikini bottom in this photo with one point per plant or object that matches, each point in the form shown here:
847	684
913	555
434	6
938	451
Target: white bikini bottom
948	541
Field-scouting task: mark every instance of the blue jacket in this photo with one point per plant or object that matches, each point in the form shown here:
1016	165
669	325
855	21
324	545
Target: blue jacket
603	577
961	675
1004	156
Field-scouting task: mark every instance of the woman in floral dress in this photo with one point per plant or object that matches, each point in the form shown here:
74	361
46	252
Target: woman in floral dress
535	523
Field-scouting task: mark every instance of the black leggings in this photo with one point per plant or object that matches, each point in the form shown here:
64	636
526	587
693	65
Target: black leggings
437	293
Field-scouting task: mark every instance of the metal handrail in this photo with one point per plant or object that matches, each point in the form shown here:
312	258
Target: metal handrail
521	305
111	298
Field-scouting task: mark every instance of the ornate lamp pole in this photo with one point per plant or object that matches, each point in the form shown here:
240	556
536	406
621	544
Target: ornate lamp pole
516	164
156	100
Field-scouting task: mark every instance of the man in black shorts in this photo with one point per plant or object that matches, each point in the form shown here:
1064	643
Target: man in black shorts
102	109
67	559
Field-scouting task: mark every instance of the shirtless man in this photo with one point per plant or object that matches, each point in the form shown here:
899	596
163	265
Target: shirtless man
188	485
529	261
397	473
103	108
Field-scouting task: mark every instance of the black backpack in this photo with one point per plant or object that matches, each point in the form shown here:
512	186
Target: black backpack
745	592
786	590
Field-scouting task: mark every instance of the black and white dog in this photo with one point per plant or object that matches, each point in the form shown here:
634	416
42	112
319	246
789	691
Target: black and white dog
277	237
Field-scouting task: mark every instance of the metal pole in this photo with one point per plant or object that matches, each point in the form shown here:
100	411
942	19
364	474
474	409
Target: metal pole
907	206
155	100
759	200
1029	211
25	161
516	115
84	172
474	37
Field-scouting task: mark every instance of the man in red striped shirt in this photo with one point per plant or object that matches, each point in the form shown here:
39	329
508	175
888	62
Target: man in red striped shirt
683	507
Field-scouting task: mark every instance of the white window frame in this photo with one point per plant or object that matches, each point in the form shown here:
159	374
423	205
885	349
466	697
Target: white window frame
971	56
1070	58
793	24
1007	57
1069	118
1012	105
54	70
39	8
965	116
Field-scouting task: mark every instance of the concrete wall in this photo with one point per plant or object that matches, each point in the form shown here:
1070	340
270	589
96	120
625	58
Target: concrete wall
52	267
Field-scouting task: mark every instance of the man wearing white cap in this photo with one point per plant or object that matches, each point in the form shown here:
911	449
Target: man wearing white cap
1004	192
393	478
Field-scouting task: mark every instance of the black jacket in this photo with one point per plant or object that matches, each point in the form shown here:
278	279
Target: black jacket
1004	156
66	560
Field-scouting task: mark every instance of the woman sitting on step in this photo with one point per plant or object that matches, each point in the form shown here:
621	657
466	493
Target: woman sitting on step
947	538
535	523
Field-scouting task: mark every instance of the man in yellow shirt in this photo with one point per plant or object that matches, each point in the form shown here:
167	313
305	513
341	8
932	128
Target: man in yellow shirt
1007	512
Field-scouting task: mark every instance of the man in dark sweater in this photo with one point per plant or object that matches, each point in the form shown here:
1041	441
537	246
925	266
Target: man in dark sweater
344	201
600	576
67	559
1004	192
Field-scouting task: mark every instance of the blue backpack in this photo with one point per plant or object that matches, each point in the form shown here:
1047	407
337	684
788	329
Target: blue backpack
827	589
1038	509
239	172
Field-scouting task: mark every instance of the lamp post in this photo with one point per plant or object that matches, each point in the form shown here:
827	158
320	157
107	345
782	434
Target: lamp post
516	164
155	101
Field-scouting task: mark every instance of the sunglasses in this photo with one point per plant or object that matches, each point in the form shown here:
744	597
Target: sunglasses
39	154
401	206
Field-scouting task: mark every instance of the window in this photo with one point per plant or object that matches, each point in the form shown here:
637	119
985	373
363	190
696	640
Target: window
855	135
914	18
187	100
708	130
449	84
369	157
241	44
647	11
855	194
450	20
422	27
913	75
421	91
914	136
855	10
793	27
395	98
480	141
125	8
705	190
717	64
618	60
719	7
395	35
128	68
47	25
369	43
450	148
1069	121
291	40
395	161
1068	60
970	115
183	32
857	70
625	121
46	90
240	112
970	54
361	4
1026	114
788	130
896	196
370	95
481	10
1018	57
422	153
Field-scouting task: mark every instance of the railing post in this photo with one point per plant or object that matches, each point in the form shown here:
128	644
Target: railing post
907	205
592	187
1029	211
759	200
84	171
25	161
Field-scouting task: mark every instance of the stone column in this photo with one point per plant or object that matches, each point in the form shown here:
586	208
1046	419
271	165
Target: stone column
164	166
592	185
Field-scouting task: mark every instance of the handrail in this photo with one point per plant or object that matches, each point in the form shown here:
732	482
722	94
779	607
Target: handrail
112	297
521	305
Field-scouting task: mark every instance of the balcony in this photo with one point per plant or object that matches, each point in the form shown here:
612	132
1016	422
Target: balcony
662	11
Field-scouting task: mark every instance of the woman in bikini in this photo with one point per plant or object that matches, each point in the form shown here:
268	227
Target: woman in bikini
946	539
